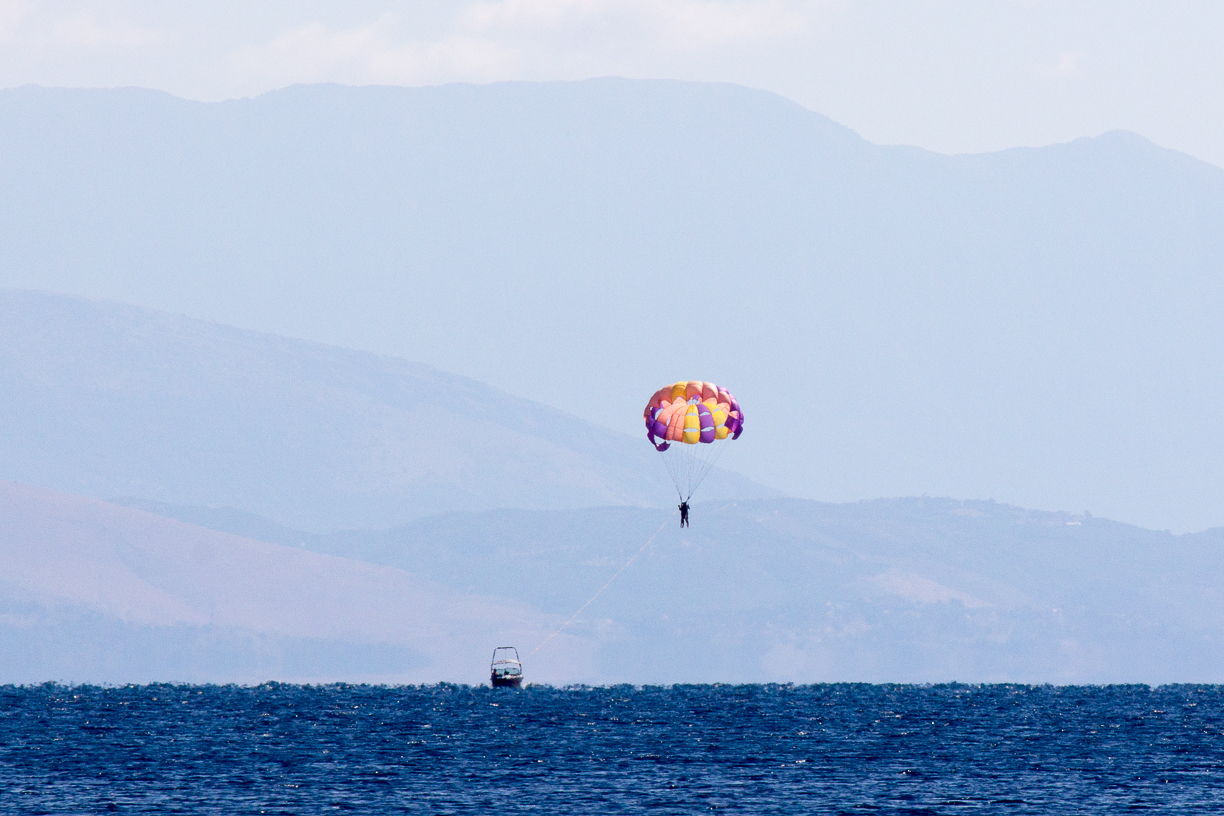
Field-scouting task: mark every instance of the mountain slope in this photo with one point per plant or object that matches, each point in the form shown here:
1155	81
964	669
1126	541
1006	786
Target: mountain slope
920	590
109	401
96	592
1036	326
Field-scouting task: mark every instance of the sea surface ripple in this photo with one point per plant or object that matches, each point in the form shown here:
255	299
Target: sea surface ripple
843	748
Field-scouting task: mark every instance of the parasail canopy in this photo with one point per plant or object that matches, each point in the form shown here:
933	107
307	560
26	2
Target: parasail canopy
695	414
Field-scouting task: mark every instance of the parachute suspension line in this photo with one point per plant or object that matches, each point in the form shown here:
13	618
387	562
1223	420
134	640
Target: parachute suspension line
690	454
688	465
674	465
632	558
705	468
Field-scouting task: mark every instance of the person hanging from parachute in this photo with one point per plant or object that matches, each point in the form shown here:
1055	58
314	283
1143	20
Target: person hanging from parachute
702	417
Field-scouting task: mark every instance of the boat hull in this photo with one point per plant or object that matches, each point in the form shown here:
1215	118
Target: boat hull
506	682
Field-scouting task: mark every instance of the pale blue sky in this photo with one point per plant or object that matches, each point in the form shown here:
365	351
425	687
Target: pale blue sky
950	76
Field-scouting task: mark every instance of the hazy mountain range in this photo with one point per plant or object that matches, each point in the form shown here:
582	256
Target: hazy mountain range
315	496
95	592
218	446
772	590
1039	326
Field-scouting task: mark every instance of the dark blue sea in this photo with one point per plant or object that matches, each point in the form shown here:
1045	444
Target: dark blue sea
853	749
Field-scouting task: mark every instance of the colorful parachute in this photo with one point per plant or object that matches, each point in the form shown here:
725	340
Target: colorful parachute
695	414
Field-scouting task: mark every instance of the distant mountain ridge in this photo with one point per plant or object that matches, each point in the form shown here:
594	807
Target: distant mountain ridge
1038	326
92	592
112	401
911	589
781	590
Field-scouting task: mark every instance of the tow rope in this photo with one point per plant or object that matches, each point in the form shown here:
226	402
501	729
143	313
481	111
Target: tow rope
632	558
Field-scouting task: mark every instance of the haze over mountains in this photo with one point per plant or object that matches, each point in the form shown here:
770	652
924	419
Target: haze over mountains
773	590
199	429
1037	326
112	401
193	501
914	590
95	592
